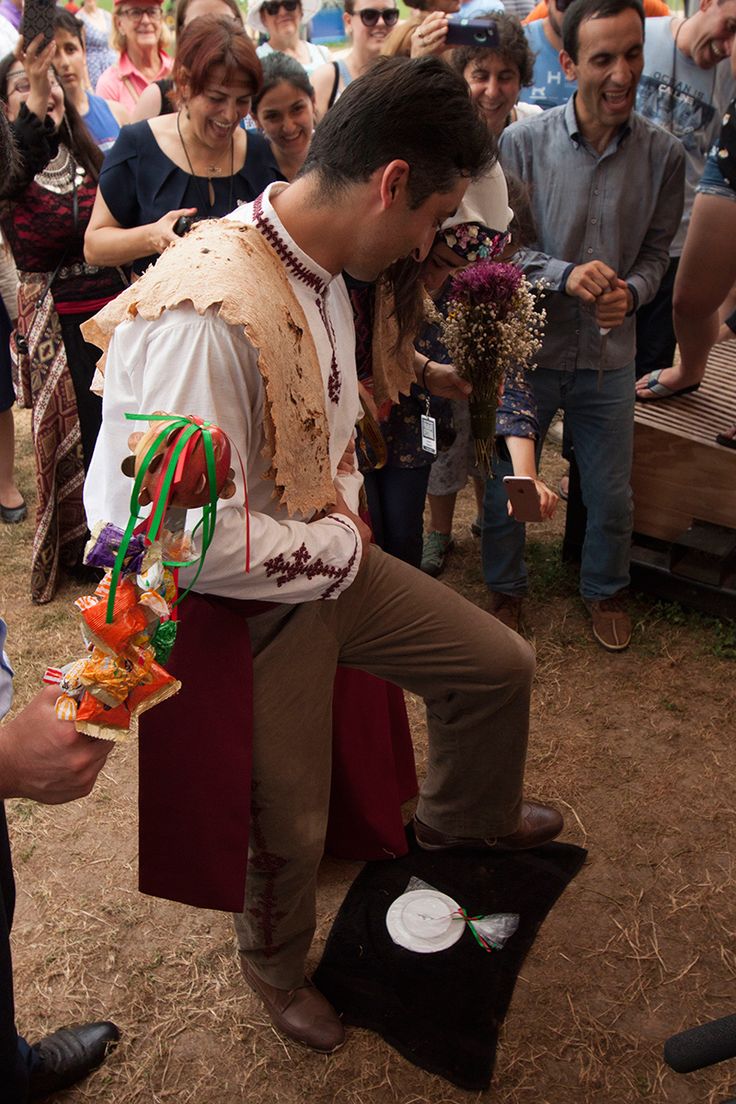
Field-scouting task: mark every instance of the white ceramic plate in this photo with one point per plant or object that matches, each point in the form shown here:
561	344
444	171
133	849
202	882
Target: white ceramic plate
423	921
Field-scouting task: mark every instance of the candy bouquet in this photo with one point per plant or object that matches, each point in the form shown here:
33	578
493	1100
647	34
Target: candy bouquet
129	624
492	325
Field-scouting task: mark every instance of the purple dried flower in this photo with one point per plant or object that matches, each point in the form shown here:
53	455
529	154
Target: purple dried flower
488	283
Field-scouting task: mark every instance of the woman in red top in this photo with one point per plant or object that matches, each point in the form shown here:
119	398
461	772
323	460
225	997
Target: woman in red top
44	210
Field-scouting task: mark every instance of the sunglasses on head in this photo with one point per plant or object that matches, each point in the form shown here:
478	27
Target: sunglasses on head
562	5
369	17
273	7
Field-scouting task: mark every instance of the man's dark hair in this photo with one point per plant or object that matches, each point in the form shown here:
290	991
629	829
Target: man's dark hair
416	110
582	10
513	46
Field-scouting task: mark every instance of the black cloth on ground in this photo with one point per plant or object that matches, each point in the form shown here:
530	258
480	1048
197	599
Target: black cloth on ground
441	1011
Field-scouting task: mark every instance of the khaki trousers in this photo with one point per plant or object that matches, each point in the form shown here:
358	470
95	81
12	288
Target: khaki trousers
475	677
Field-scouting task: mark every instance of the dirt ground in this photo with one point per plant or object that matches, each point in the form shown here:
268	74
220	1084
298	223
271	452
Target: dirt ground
638	751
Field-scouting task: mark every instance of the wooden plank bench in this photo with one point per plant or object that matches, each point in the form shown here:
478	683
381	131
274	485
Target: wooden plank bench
679	473
682	478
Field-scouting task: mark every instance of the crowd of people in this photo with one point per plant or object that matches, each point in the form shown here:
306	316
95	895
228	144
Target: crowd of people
591	146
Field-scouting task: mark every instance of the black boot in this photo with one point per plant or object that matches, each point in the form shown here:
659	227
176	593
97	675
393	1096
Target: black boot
62	1059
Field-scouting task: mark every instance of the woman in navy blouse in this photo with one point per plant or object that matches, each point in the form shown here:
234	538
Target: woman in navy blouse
198	161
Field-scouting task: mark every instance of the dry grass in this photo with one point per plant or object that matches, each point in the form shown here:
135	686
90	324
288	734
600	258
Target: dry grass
637	749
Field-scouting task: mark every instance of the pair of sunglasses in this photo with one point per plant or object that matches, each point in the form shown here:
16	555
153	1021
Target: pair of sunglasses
272	7
369	17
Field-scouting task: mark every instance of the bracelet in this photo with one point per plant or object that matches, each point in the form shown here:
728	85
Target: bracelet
424	373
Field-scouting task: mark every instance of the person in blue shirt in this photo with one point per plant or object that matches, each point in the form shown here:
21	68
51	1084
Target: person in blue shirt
103	118
550	86
607	192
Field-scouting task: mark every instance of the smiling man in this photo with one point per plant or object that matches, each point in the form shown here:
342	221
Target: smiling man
607	194
260	328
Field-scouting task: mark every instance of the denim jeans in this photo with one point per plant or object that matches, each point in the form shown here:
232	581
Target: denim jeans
396	499
601	423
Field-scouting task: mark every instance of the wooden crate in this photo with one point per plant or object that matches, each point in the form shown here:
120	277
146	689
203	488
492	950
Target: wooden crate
679	473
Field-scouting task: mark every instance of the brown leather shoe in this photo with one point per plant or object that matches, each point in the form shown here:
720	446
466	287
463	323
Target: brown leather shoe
539	824
506	608
302	1014
611	623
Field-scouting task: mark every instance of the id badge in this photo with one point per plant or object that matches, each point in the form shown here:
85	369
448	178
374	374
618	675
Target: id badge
429	434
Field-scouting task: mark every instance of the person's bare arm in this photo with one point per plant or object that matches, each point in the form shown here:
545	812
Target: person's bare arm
106	242
37	60
46	759
148	106
429	39
323	81
441	380
523	461
119	114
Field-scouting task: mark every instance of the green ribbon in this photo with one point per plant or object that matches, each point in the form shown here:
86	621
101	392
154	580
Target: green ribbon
480	940
189	430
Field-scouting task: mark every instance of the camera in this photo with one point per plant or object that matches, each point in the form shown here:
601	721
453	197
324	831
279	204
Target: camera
183	225
472	32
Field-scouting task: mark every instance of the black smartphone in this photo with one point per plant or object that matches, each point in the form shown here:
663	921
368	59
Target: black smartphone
38	19
472	32
183	225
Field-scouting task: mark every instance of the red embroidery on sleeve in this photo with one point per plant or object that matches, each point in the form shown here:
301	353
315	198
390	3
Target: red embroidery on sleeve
301	563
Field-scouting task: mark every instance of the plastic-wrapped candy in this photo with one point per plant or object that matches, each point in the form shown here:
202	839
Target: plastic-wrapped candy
128	625
110	678
119	722
102	548
130	620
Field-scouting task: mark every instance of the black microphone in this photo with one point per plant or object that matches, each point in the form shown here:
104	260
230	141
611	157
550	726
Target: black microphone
701	1046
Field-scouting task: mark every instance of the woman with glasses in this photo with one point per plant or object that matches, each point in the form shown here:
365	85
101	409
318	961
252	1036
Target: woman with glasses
44	209
281	21
156	99
198	162
367	24
140	35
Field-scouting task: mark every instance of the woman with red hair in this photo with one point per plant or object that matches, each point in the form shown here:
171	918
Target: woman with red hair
198	162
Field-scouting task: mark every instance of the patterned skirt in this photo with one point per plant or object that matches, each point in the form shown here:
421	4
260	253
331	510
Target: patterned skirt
43	384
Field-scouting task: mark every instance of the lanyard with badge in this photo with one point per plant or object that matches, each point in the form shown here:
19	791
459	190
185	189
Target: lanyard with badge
427	423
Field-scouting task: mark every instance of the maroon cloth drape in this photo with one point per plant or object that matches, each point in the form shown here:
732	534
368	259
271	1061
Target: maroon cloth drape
373	770
195	763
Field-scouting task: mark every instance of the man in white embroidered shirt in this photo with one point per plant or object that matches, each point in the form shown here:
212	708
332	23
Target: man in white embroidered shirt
390	161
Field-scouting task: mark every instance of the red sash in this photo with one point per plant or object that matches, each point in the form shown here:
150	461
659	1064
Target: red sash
195	763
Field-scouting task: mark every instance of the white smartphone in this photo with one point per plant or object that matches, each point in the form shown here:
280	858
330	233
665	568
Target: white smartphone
523	496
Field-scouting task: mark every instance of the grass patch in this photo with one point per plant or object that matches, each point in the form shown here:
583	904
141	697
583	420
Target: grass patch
549	575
